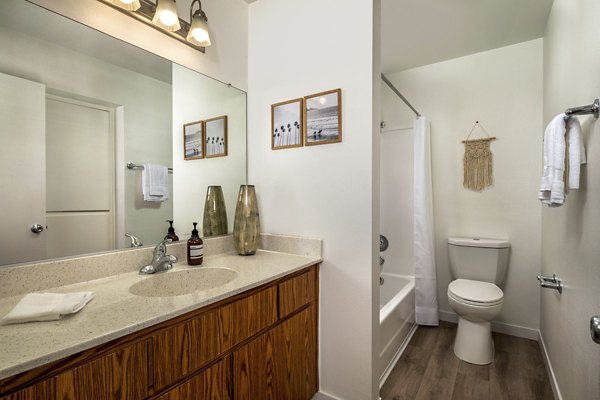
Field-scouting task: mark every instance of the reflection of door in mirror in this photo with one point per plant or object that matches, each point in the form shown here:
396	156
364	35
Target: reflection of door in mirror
22	162
79	177
69	145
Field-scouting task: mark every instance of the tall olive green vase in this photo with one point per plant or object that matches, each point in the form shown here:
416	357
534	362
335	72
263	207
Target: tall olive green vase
214	222
246	226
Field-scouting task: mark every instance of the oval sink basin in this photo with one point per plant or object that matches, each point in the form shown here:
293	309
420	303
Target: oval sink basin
178	283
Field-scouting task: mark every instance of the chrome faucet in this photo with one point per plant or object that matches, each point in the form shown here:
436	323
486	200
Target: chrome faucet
161	261
135	241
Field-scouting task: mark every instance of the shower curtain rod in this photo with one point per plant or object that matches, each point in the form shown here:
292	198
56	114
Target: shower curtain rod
391	85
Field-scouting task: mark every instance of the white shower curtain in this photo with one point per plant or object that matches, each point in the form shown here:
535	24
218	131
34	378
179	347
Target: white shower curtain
426	304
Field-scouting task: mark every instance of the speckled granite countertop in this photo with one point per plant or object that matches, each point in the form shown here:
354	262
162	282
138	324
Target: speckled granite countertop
115	312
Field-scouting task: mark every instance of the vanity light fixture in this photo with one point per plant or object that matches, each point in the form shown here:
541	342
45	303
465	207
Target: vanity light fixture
129	5
198	33
165	16
162	16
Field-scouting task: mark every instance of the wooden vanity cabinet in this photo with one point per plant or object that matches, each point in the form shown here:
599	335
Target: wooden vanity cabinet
256	345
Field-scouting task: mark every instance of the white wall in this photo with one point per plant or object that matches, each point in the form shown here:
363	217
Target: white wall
298	48
197	97
570	233
146	104
501	88
226	59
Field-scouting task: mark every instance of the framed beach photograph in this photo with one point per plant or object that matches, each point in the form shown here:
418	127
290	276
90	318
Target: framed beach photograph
215	137
193	140
323	117
286	124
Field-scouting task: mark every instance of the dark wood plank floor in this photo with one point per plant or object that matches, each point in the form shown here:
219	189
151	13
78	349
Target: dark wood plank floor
428	369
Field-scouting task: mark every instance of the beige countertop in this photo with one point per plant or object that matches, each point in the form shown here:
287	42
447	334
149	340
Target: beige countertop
115	312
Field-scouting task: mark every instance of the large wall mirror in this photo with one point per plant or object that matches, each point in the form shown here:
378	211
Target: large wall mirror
76	106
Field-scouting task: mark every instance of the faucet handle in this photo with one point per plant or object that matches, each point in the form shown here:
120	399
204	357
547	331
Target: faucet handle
161	247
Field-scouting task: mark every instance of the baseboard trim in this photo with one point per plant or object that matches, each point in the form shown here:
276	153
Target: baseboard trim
324	396
546	358
397	356
500	327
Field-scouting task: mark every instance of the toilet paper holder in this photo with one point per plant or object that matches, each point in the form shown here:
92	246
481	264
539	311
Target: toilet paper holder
550	282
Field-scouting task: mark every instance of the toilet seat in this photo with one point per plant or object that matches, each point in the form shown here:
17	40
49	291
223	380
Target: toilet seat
476	293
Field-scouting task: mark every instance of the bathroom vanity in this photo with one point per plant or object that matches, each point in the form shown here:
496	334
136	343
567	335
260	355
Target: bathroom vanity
250	338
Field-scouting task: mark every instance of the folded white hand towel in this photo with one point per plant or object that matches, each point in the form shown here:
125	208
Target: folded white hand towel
155	184
552	190
46	307
576	152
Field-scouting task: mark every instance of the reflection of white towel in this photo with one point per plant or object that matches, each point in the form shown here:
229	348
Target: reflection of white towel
155	185
552	188
46	307
576	152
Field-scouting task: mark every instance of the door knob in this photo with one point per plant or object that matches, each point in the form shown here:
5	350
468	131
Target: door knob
37	228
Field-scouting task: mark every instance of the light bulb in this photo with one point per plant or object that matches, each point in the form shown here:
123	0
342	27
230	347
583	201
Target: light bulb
168	18
129	5
200	35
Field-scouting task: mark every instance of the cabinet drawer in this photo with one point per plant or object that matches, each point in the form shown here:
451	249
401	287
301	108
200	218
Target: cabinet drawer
210	384
119	375
185	347
297	292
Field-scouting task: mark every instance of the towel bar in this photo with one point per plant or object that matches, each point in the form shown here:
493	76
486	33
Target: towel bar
593	109
131	165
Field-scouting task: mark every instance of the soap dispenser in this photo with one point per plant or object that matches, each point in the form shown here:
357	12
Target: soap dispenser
171	235
195	248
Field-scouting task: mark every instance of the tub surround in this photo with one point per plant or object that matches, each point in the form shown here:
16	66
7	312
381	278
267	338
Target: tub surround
115	312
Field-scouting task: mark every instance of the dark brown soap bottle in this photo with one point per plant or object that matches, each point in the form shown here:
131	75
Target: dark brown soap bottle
171	235
195	248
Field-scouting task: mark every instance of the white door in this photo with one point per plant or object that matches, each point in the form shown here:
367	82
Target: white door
80	177
22	169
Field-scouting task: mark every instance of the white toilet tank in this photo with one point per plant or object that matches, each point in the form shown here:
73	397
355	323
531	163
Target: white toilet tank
478	259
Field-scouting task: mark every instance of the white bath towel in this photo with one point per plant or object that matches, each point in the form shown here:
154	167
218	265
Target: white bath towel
46	307
552	187
155	184
576	151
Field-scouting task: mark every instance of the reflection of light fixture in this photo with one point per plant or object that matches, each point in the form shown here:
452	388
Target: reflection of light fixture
130	5
198	33
165	16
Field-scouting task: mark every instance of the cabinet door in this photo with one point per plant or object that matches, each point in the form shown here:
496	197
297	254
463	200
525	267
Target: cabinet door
281	363
186	347
211	384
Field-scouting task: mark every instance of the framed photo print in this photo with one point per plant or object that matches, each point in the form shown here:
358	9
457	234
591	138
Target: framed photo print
323	117
193	140
286	124
215	137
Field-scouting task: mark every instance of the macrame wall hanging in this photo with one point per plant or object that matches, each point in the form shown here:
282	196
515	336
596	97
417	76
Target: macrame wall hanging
478	161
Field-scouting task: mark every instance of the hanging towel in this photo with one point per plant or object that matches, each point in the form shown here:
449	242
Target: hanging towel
552	186
426	304
46	307
155	184
576	152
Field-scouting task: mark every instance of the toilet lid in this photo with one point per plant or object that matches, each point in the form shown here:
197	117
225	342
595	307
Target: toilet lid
476	291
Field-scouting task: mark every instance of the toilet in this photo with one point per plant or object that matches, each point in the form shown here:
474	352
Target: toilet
477	266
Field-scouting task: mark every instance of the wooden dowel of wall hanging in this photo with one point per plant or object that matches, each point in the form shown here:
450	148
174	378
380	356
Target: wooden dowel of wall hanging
479	140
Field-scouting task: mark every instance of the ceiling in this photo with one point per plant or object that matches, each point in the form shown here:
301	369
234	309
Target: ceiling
422	32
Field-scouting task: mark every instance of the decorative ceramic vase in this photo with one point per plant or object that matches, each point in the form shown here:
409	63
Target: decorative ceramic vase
246	225
214	222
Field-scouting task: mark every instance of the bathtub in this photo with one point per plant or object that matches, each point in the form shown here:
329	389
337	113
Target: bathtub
396	320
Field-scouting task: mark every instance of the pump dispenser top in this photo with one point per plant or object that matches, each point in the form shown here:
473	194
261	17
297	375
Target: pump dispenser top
171	233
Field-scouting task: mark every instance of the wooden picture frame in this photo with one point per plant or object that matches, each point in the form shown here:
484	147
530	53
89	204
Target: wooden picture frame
287	124
215	137
323	118
193	146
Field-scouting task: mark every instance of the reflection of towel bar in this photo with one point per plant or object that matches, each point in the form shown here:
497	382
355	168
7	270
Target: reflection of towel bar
131	165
